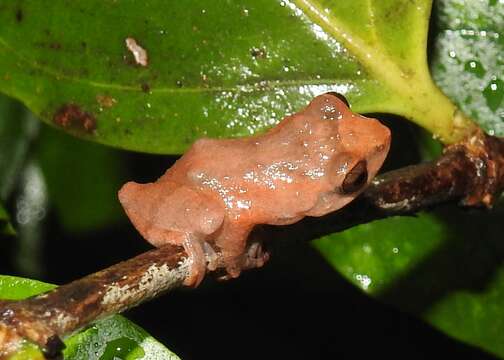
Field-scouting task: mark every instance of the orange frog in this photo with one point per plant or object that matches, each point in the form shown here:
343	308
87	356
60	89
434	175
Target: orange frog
312	163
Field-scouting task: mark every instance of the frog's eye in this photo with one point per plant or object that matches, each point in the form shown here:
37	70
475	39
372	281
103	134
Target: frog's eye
356	178
339	96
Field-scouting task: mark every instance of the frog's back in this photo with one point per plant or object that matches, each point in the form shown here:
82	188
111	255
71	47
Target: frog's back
275	175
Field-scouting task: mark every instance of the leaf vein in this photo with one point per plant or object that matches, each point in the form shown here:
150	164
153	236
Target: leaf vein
258	86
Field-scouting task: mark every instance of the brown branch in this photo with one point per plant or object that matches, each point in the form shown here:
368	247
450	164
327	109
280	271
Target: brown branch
43	318
471	172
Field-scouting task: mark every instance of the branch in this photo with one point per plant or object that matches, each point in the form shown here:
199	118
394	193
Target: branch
471	173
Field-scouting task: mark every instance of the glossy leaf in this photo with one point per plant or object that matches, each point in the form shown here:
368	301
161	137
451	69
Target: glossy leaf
109	339
445	266
216	68
469	56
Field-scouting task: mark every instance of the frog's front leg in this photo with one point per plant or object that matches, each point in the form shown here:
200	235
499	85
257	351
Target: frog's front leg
236	255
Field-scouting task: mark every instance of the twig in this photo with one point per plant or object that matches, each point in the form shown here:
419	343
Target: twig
42	318
471	172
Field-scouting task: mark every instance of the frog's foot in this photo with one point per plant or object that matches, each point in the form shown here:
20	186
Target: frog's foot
234	265
256	256
197	261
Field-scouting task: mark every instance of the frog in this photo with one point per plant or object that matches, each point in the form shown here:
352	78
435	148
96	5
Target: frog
311	163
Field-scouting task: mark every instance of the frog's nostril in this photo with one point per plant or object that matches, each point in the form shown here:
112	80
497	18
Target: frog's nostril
356	178
339	96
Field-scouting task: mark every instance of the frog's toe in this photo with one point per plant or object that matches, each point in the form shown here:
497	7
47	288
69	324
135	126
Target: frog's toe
211	256
256	255
233	269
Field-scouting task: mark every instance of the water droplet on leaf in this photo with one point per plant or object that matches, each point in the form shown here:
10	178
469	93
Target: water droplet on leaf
475	68
122	348
494	93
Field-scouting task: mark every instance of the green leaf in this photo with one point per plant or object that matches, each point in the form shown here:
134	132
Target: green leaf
108	339
445	266
16	288
216	68
468	54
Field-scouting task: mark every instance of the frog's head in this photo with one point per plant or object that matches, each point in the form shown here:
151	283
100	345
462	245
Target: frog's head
360	149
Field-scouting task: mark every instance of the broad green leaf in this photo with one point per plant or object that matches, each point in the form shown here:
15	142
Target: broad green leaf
16	288
216	68
445	266
469	55
109	339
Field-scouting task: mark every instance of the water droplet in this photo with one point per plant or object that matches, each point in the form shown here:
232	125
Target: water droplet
475	67
494	93
122	348
395	250
179	83
282	3
452	53
364	280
